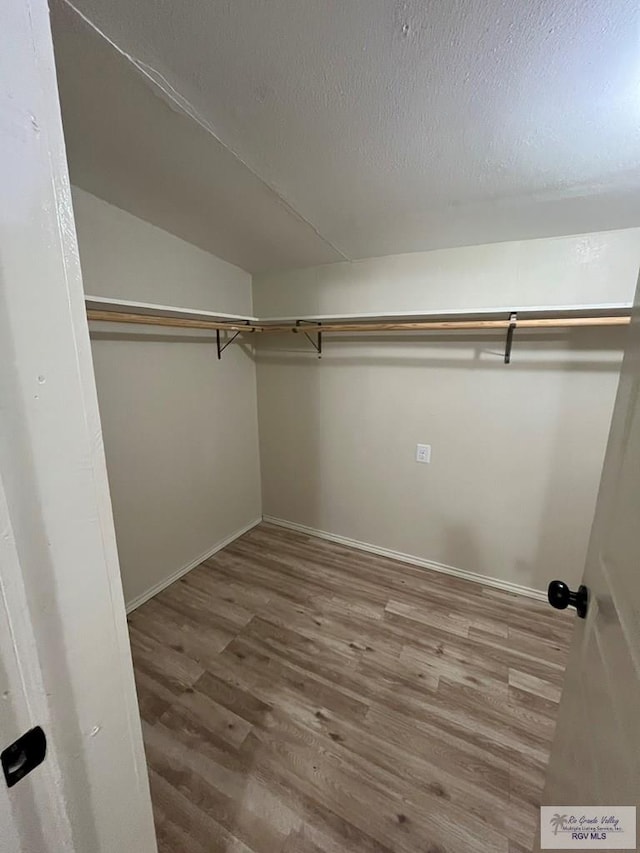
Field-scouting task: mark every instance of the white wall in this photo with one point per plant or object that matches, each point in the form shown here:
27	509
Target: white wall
517	450
180	427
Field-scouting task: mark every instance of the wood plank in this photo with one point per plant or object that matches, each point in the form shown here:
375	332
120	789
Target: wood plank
531	684
303	697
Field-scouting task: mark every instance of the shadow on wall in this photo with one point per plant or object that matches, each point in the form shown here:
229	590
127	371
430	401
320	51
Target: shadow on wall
540	350
180	435
517	449
577	450
163	337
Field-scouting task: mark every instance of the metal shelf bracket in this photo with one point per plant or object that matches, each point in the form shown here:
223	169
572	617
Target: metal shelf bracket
221	346
513	318
317	344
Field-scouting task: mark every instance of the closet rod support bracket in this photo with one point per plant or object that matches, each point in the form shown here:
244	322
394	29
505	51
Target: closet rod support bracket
220	346
513	318
317	344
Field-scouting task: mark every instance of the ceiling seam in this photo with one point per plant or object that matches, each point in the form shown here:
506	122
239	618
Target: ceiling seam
186	108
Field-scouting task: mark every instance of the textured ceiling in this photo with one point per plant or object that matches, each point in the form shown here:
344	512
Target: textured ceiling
355	128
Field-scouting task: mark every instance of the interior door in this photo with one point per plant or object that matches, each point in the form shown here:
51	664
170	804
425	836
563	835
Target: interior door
595	759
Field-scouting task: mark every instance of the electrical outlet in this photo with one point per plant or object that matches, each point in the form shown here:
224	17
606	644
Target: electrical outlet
423	453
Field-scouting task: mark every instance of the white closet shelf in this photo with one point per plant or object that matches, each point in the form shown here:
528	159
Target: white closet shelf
148	309
486	319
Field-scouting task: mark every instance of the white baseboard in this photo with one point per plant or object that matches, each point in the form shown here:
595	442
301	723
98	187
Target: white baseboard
174	576
507	586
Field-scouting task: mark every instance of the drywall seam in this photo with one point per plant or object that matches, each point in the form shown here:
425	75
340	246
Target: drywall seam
183	105
484	580
165	582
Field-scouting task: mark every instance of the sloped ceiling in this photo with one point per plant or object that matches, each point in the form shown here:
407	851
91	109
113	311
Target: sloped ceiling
320	130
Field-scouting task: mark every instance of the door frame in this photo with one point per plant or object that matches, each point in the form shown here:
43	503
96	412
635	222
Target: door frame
64	646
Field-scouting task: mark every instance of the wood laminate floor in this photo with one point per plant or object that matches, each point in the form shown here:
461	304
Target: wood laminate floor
298	696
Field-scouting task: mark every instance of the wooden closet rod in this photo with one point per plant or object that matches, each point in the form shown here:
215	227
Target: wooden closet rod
358	326
453	325
173	322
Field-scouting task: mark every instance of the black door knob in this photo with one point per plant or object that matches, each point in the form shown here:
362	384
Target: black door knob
561	597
